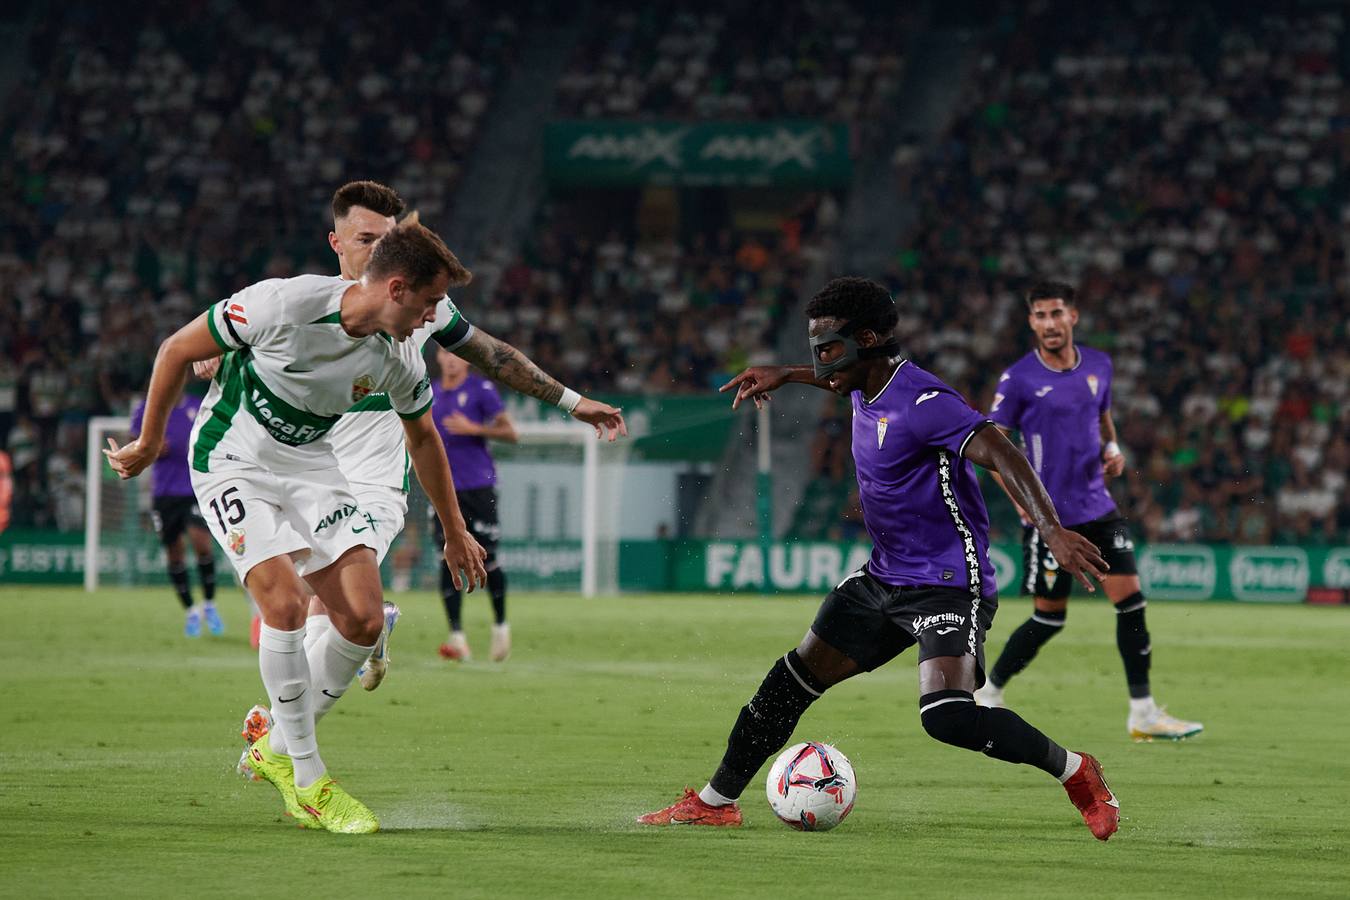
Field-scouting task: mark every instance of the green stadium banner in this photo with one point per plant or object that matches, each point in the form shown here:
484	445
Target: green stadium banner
602	153
1281	574
660	427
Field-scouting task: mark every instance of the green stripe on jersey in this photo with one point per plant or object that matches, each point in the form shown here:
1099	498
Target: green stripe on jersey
416	415
215	332
286	424
222	414
333	318
372	403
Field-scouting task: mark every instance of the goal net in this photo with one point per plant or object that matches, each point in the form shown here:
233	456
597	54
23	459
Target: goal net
559	501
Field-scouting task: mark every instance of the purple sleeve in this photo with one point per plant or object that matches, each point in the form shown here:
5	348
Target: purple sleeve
490	402
137	417
942	419
1006	410
1105	405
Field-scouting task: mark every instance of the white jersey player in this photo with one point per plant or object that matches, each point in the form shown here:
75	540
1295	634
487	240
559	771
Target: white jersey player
368	440
265	473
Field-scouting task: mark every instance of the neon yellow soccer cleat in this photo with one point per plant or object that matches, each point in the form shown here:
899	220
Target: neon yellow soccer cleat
277	768
335	809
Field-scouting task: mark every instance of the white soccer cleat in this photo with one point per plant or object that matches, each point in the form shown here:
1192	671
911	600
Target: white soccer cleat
457	647
989	695
1157	725
375	668
501	642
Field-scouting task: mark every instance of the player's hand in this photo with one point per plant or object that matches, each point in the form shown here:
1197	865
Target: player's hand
605	419
464	554
1114	466
458	423
755	383
134	458
206	369
1077	555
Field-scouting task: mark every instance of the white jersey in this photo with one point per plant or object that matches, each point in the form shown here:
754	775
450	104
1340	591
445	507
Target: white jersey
368	440
273	406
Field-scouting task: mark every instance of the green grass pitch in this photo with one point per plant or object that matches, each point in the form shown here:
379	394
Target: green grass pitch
118	739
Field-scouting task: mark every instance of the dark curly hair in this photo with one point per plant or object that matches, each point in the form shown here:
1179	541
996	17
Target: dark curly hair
1051	290
859	300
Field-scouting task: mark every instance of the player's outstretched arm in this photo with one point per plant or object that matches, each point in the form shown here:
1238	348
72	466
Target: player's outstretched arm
757	382
462	552
991	449
505	364
1026	520
189	344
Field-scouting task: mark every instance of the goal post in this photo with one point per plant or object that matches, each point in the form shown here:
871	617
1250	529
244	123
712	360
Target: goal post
102	517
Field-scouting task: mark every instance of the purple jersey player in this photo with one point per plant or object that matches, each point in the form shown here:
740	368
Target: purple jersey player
175	514
928	582
468	412
1058	397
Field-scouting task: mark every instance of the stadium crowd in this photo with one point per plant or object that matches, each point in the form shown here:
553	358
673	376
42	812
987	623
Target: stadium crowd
142	181
836	61
1187	171
622	313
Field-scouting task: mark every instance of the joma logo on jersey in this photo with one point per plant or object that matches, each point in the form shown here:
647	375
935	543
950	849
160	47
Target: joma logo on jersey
336	516
288	432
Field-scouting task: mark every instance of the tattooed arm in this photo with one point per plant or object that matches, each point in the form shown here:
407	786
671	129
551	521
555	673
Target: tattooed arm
506	365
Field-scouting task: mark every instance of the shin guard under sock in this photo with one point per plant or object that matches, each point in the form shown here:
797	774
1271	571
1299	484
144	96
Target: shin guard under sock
766	722
952	717
1024	643
1132	639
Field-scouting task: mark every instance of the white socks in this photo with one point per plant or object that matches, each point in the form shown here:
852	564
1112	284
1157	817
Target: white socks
1072	763
1142	708
333	661
712	798
315	626
285	674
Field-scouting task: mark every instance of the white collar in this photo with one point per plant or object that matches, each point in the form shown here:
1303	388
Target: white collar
888	382
1076	363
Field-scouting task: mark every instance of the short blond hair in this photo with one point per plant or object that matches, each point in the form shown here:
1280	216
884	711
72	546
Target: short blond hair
417	253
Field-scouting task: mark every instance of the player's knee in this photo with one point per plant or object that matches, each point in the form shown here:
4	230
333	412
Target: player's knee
952	718
1055	618
367	625
1133	603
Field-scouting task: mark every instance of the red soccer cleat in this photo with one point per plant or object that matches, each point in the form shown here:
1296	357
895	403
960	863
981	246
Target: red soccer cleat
690	810
255	632
1088	791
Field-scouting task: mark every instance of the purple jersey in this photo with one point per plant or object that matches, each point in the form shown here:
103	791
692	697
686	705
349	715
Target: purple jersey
920	500
478	401
1059	416
169	474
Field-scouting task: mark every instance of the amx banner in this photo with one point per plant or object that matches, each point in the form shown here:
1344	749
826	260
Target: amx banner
615	154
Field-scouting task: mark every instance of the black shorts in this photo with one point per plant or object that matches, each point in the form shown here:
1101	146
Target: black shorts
173	515
1041	575
479	509
871	622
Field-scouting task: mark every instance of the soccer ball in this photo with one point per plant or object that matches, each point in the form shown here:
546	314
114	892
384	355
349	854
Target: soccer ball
811	786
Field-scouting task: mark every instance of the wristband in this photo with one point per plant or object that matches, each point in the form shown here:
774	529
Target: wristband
569	400
1112	449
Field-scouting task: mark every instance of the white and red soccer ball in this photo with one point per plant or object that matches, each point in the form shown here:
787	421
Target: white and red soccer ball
811	786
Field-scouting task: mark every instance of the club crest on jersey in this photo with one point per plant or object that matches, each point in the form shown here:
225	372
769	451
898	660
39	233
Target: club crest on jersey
1092	384
361	387
881	431
236	541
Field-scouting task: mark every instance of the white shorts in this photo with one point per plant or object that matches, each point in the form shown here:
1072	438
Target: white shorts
386	508
255	515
